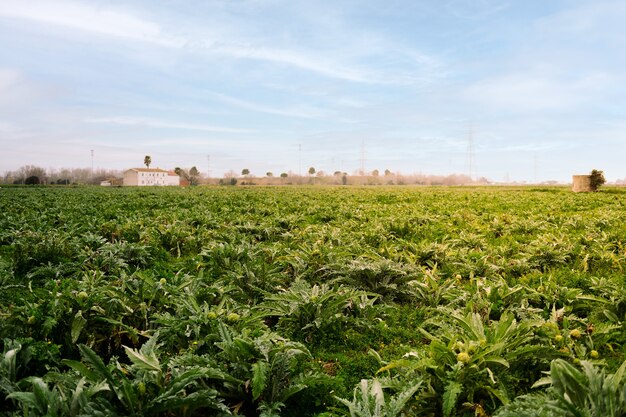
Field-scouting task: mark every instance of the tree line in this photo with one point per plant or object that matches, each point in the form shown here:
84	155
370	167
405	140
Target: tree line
313	176
32	174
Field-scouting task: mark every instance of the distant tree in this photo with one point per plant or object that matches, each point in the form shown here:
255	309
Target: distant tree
62	176
184	175
311	171
32	180
337	173
30	171
233	181
597	179
284	175
269	174
387	173
344	178
245	172
194	175
147	160
375	173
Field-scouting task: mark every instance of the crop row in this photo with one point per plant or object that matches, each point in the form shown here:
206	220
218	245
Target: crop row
312	301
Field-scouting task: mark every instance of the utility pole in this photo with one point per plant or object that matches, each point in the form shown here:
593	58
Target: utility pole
470	151
300	160
363	161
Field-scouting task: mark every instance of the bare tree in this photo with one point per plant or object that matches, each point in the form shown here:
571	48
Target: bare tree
194	175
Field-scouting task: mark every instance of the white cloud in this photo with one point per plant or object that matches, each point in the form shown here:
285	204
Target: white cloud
306	113
476	9
88	18
127	25
419	69
306	61
530	91
532	147
156	123
348	102
597	19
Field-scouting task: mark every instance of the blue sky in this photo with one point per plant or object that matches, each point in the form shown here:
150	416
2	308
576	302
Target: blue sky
273	85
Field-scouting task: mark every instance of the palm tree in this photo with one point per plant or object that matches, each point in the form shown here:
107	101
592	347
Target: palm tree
147	160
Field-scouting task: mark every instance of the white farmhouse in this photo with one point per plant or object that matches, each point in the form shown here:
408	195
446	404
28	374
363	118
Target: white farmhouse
172	178
147	177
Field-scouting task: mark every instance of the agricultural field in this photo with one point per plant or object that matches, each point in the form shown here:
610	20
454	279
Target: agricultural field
312	301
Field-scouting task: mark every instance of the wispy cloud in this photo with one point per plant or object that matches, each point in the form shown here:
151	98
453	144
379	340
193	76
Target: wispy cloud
531	147
600	18
89	18
536	91
124	24
309	62
156	123
307	113
419	71
476	9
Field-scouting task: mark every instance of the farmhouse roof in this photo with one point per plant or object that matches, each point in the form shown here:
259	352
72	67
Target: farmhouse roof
146	170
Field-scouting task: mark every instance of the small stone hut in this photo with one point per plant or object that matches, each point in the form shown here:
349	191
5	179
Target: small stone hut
581	183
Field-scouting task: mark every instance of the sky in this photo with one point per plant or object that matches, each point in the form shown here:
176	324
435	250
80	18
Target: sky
528	90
